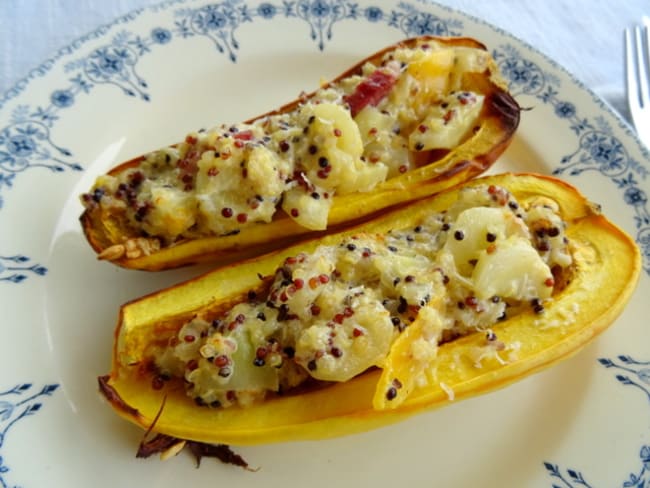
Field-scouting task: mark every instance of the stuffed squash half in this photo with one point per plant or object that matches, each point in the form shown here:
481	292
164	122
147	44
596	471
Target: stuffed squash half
452	296
409	121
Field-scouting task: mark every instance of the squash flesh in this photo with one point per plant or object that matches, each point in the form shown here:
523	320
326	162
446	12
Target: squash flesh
607	267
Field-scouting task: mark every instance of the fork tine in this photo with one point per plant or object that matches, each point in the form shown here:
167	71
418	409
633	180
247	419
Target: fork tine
637	77
630	69
641	37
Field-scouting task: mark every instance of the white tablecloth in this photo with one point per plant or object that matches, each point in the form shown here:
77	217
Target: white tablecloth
584	36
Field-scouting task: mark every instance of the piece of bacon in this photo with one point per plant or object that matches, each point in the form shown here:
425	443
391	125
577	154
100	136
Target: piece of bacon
370	91
245	135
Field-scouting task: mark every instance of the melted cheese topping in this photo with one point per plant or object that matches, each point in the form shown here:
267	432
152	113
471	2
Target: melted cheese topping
222	180
335	313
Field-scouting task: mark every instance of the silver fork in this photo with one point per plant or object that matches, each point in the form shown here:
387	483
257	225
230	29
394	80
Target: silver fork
637	77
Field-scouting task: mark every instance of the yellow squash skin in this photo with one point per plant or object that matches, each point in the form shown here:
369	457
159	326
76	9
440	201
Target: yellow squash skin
498	122
607	268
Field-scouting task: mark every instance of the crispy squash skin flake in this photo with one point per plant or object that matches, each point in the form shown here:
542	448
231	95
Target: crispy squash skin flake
112	241
607	267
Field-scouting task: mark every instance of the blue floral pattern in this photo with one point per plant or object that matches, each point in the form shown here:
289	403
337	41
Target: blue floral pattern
16	269
15	405
631	373
116	65
26	143
321	16
217	22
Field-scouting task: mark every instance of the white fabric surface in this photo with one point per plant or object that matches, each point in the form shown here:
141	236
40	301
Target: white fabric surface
584	36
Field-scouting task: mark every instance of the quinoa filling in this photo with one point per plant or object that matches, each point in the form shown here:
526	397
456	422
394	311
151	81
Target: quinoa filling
349	137
330	315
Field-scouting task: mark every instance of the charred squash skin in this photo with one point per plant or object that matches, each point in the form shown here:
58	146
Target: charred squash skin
607	267
498	122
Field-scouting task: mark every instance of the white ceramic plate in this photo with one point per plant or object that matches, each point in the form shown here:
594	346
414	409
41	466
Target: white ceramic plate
150	77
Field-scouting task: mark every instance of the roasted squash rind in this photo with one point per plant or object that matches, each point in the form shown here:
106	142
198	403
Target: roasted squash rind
606	272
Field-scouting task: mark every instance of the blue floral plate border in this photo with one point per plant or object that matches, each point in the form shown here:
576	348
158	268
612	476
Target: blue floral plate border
44	149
